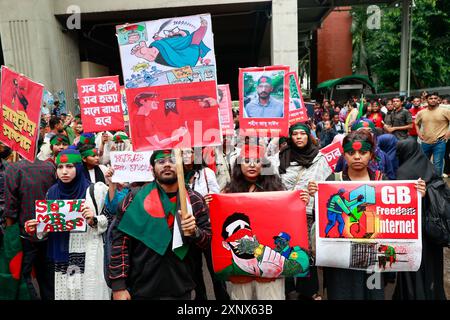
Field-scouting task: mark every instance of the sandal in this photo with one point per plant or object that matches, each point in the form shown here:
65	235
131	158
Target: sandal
317	296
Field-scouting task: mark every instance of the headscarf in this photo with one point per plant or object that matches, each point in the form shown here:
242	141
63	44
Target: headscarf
58	242
413	163
76	189
122	141
388	144
291	153
91	151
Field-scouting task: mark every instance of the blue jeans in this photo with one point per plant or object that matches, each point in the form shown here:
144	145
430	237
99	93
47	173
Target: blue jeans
438	151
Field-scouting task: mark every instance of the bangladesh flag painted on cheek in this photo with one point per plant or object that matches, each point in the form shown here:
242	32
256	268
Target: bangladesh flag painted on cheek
12	286
147	219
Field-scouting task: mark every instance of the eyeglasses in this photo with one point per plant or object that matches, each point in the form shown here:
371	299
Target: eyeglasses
162	161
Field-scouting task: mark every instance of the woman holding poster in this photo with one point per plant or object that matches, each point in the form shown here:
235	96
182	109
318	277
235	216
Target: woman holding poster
301	162
346	284
253	173
77	258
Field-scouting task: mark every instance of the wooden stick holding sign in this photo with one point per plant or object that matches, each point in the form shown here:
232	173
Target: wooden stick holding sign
181	183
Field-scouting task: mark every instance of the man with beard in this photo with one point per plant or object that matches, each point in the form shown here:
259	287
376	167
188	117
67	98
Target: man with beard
145	263
265	106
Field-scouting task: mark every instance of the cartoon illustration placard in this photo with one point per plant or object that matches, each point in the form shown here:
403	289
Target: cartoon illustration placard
167	51
251	236
20	100
369	225
264	101
297	109
165	117
225	105
60	215
332	153
100	103
131	166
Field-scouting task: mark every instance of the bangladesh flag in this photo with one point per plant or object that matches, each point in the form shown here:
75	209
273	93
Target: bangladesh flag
12	287
360	108
152	219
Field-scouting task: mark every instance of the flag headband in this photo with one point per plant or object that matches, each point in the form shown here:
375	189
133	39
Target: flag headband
299	126
89	153
58	140
357	145
120	138
68	158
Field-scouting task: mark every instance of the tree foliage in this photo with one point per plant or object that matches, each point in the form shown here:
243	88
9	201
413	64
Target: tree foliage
430	63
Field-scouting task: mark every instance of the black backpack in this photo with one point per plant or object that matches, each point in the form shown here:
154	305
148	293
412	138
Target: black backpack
437	213
107	235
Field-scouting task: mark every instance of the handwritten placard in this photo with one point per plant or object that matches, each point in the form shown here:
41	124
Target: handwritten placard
131	166
60	215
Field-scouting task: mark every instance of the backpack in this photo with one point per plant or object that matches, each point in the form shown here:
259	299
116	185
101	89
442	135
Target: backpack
437	213
107	235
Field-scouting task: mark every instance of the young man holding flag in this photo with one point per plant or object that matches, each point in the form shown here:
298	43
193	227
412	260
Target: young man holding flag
150	256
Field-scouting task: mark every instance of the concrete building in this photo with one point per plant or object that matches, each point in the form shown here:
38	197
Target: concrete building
57	41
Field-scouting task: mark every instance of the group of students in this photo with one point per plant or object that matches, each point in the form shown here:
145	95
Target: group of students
140	219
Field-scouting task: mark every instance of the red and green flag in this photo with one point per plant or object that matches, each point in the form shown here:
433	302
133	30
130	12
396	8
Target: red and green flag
12	286
152	219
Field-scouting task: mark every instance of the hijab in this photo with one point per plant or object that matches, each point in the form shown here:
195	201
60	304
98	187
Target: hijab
58	242
413	163
388	144
303	156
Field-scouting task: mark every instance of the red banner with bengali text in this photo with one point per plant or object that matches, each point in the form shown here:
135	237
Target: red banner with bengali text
100	104
20	107
332	153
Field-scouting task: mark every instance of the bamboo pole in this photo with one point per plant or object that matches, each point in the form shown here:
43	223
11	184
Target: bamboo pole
181	183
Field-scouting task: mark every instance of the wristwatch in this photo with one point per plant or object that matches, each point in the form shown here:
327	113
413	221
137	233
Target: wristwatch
95	221
197	232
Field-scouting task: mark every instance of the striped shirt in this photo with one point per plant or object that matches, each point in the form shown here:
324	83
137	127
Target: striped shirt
26	182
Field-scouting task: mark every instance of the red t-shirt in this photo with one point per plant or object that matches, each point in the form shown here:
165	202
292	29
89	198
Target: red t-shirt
377	119
414	111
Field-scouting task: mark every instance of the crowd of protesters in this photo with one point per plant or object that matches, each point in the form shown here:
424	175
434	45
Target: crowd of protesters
399	138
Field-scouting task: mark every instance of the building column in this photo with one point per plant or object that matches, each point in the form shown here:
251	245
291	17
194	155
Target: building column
34	44
285	33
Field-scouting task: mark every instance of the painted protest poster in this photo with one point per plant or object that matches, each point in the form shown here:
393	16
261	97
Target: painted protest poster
60	215
264	101
251	236
297	109
21	100
131	166
100	103
167	51
332	153
225	105
369	225
167	117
